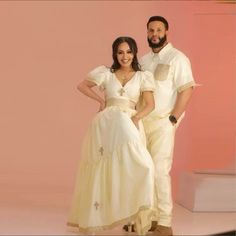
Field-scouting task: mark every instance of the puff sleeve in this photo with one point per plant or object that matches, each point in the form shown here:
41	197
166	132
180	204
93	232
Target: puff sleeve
147	82
98	76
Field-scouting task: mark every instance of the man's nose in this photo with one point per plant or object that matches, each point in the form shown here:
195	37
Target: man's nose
155	33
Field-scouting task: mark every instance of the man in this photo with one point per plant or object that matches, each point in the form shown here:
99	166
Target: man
174	85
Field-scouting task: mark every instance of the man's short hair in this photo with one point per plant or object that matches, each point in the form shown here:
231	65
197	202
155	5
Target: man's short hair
158	18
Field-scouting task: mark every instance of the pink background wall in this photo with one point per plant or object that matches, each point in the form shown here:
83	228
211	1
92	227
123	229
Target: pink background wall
46	48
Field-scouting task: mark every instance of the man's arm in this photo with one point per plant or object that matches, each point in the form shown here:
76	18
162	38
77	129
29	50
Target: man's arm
181	102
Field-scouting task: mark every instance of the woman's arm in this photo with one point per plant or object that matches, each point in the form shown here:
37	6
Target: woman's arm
149	106
85	87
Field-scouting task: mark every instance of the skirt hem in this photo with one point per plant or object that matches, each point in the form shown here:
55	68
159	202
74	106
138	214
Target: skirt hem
116	223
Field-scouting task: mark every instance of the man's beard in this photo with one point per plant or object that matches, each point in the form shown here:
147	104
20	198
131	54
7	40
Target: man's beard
159	44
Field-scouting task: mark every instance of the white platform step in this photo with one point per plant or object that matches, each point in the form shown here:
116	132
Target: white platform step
208	191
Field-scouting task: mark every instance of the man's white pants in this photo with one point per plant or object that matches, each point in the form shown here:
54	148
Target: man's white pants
160	134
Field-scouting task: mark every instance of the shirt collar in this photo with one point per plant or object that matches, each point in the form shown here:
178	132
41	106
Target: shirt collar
163	51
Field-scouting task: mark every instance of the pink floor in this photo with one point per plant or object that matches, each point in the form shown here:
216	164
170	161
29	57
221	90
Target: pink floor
44	212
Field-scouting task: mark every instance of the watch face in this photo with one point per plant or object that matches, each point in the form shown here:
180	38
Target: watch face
172	119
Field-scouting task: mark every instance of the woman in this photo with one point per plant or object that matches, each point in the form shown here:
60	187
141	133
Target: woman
115	179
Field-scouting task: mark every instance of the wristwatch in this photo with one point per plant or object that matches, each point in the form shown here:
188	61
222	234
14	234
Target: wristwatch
172	119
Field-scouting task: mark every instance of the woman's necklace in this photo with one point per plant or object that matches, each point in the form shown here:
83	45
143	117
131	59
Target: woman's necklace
125	76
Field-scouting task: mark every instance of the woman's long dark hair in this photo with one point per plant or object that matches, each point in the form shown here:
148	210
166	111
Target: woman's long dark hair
134	49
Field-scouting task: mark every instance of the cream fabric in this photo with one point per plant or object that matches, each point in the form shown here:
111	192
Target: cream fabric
172	73
141	81
115	181
160	135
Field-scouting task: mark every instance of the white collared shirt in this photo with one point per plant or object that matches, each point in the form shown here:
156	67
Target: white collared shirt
172	72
